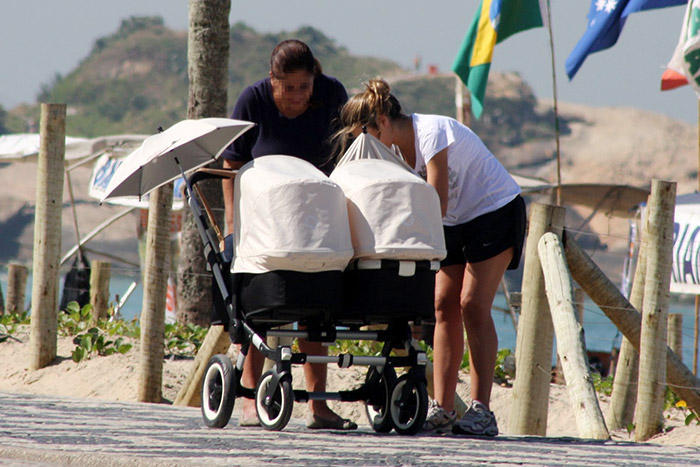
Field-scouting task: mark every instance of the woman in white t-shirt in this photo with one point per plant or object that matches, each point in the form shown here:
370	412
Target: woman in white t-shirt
484	224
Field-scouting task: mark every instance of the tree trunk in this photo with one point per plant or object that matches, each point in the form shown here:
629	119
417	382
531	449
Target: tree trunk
648	415
207	57
533	348
154	291
47	236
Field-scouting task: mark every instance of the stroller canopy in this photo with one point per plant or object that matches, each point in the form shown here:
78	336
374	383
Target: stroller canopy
394	214
288	215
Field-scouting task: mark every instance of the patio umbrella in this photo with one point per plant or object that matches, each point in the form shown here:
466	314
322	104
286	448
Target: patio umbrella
185	146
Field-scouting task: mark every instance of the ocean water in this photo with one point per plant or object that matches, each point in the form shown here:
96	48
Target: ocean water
600	333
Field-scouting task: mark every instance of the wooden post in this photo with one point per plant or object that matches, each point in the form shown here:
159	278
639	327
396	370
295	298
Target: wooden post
154	294
579	301
216	342
579	297
624	393
16	286
100	272
627	319
535	337
47	236
652	345
675	333
571	345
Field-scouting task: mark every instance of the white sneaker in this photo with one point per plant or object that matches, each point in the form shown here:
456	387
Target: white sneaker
438	419
478	420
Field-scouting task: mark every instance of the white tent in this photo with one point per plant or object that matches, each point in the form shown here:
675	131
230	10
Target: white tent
16	147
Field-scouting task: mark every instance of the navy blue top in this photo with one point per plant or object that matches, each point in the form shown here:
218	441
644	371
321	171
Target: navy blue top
306	136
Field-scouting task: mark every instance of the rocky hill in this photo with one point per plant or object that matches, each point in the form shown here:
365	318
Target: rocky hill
136	80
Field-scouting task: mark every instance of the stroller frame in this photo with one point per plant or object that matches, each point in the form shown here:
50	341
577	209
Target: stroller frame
391	402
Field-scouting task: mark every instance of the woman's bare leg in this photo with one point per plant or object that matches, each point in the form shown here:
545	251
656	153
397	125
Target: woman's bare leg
448	338
252	369
316	375
481	282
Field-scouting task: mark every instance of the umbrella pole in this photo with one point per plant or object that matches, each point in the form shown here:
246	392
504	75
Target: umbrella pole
75	214
210	215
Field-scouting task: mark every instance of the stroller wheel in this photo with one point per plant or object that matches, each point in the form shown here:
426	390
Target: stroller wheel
218	391
274	413
377	406
408	405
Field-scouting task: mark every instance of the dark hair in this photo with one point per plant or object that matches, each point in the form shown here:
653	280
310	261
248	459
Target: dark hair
293	55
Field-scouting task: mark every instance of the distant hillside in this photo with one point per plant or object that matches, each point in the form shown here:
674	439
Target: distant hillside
136	79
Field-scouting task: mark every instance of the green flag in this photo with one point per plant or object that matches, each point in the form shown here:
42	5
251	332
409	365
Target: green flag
494	21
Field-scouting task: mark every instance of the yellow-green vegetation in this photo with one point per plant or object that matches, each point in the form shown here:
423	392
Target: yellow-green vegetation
135	80
107	336
10	324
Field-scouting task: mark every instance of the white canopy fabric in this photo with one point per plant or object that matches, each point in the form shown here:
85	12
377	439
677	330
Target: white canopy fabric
162	157
394	214
288	215
16	147
367	146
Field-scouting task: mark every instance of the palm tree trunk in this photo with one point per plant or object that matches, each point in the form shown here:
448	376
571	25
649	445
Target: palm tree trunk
207	57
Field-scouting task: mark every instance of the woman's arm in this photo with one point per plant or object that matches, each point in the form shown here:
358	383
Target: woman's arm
438	177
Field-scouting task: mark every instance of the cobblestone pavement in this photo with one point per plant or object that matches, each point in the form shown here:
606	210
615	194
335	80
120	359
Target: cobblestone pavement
41	430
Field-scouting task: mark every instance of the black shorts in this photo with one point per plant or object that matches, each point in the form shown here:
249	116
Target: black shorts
488	235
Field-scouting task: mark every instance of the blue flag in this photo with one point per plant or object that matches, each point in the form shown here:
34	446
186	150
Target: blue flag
605	21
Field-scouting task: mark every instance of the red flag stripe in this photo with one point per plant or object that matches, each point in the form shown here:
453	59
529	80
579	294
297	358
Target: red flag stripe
672	79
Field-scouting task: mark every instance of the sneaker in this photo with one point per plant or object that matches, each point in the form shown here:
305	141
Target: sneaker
438	419
477	420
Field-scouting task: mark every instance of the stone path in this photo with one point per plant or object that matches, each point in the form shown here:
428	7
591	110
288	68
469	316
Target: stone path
41	430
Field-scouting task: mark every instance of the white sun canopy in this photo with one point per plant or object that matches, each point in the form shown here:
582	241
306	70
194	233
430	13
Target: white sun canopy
288	215
394	214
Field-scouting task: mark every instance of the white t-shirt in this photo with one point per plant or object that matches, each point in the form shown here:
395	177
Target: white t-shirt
478	183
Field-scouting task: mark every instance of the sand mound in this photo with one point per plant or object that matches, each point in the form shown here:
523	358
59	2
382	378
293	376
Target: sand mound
115	377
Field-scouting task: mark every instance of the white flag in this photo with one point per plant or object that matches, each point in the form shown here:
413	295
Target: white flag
684	66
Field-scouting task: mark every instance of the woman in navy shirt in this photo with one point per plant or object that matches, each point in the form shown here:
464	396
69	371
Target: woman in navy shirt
294	110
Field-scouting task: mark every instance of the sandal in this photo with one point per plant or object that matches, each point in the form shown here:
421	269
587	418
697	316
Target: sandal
314	422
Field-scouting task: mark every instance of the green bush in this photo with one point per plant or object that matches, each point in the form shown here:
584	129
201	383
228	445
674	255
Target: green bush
10	323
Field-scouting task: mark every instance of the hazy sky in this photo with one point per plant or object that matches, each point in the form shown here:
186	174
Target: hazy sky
43	37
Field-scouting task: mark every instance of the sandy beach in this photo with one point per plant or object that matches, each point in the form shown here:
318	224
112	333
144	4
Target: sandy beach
115	378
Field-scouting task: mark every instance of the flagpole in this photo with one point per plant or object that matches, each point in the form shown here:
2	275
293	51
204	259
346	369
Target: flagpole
556	105
697	298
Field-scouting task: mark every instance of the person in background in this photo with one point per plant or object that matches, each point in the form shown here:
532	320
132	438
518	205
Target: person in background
294	110
484	223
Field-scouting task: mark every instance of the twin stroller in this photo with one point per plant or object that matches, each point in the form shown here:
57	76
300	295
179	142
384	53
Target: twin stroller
329	255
